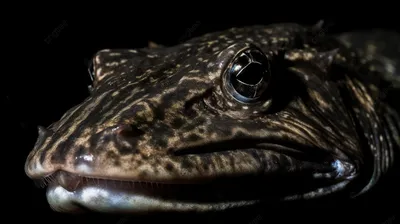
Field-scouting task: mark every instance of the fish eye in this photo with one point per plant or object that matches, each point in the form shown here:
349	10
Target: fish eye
248	75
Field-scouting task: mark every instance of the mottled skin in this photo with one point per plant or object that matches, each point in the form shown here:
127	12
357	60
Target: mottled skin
162	116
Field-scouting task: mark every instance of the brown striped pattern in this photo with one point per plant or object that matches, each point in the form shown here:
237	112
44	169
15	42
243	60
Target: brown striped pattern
155	112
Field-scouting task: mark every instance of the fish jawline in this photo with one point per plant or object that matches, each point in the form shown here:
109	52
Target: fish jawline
98	199
77	193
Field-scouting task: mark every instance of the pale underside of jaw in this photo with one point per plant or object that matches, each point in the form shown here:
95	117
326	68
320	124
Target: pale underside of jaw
99	199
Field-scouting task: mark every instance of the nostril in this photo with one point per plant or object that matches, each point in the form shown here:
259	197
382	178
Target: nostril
129	131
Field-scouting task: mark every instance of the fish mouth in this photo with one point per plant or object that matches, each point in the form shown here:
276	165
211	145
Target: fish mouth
72	193
293	178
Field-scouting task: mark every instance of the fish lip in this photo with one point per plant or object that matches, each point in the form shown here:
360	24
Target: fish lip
147	193
77	190
96	199
64	186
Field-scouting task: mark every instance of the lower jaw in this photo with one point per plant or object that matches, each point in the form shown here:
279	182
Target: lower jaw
107	196
98	199
103	199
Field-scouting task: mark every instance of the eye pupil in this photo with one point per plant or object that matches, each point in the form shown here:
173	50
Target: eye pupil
248	76
253	74
247	82
244	59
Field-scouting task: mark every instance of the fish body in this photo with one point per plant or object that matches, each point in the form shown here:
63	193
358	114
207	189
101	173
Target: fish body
225	120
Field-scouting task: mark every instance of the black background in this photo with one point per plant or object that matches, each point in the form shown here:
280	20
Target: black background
50	77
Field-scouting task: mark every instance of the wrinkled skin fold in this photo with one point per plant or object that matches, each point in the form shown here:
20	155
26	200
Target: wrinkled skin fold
225	120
